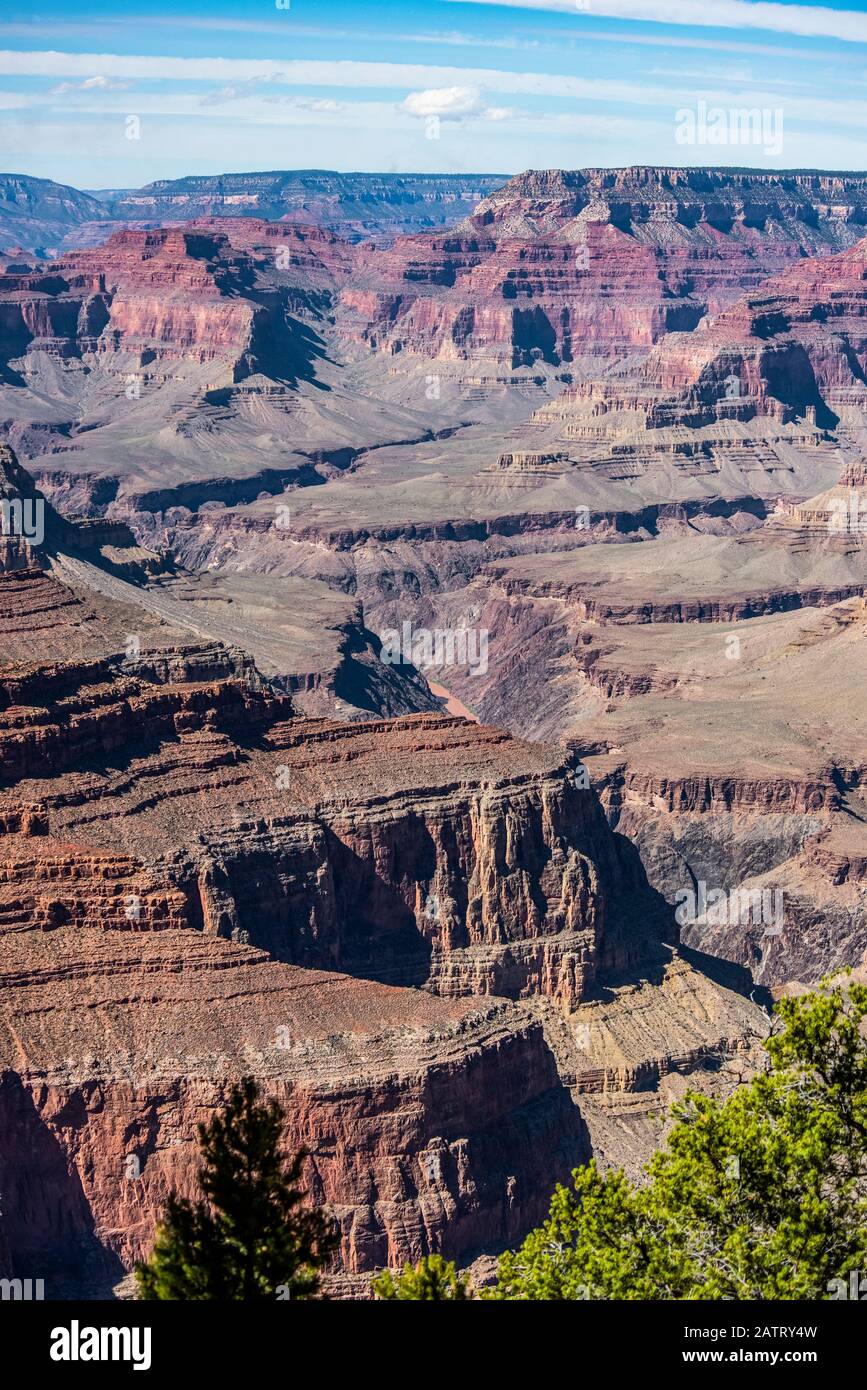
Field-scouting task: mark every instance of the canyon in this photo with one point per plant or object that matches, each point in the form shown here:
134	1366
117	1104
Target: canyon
419	933
614	420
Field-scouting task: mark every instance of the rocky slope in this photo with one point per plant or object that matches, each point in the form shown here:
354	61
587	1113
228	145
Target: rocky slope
713	683
443	483
198	883
93	583
613	421
236	357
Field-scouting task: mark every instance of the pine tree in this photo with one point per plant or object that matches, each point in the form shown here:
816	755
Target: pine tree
249	1237
432	1280
760	1196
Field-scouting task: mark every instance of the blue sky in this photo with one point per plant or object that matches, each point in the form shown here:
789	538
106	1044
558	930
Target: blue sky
207	86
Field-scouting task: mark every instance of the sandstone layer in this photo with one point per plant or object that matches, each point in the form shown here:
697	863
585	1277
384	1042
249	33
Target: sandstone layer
395	925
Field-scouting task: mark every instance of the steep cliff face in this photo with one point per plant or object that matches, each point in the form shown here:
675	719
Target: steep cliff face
198	884
188	294
467	296
555	271
420	851
660	204
562	267
794	351
712	685
430	1123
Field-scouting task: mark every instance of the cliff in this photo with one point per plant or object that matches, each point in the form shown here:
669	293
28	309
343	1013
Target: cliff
560	267
394	925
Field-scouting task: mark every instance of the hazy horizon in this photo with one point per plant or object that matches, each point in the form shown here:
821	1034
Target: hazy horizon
434	173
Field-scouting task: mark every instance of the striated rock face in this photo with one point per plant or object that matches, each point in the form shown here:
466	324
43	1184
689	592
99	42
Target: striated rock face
188	294
437	853
553	268
196	884
430	1123
515	302
266	356
560	266
792	352
713	687
656	201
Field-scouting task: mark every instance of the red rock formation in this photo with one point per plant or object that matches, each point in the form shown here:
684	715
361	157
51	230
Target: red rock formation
483	888
795	350
562	266
215	292
431	1124
184	868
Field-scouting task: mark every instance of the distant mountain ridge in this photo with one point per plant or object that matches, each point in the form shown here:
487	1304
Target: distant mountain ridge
829	208
355	205
38	214
644	199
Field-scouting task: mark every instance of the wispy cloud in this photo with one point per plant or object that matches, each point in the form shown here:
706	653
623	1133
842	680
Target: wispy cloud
91	84
223	96
404	78
330	75
810	21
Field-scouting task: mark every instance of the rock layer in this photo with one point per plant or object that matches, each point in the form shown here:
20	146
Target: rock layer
196	883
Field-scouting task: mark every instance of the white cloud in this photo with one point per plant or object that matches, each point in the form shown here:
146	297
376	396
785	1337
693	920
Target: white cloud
457	103
415	77
810	21
90	84
449	103
420	81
